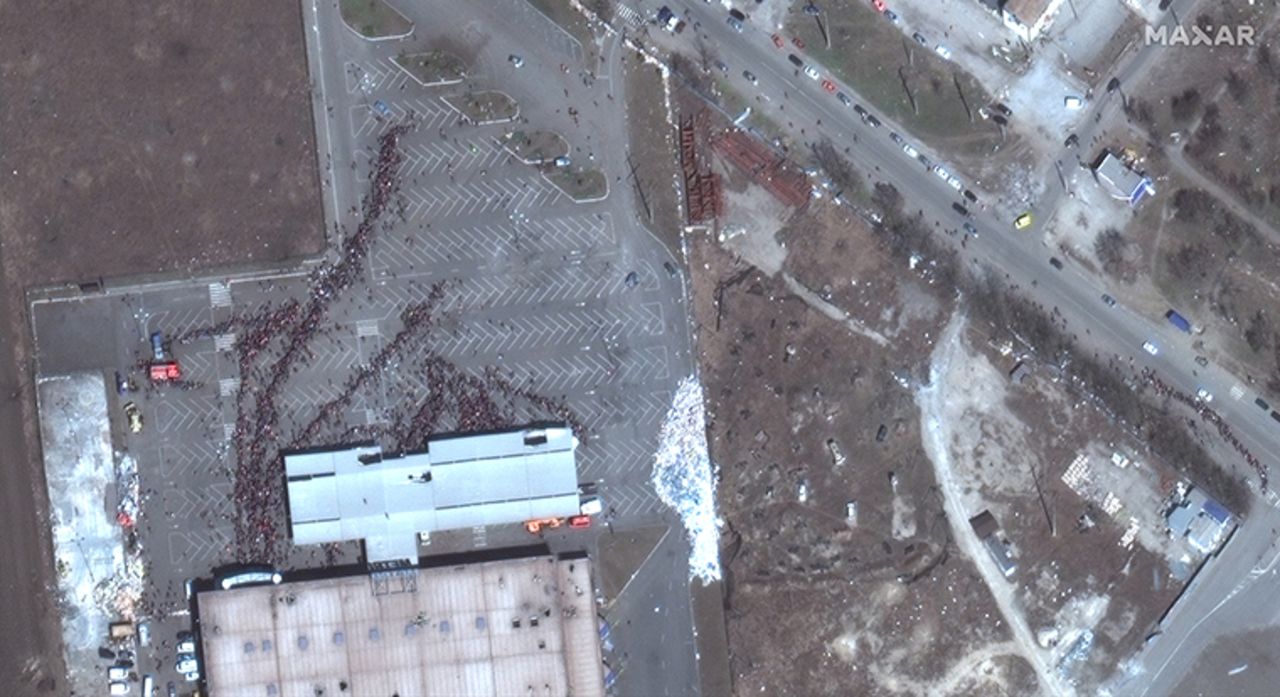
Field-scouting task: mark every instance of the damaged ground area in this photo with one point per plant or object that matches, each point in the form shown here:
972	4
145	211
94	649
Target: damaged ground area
842	577
1059	501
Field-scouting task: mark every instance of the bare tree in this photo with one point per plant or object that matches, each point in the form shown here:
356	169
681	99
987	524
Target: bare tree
838	170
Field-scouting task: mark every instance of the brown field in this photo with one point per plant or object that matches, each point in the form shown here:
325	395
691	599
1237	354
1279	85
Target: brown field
818	604
139	138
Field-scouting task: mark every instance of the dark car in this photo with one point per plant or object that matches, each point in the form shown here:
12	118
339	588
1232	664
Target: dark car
1072	141
795	60
1113	85
895	137
1000	119
1055	262
737	14
1110	301
844	99
735	23
670	269
928	164
1262	403
960	209
920	39
1202	361
873	121
857	109
971	228
970	196
1000	107
1275	415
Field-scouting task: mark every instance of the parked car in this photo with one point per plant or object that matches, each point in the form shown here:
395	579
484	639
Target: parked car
1150	348
186	665
1110	301
873	121
970	228
960	209
942	172
382	108
895	137
1073	102
750	77
157	346
735	23
1055	262
515	60
860	111
795	60
829	86
133	416
910	151
1000	107
1202	361
722	67
891	16
844	99
1204	395
119	687
777	41
973	198
955	183
1262	404
813	74
1022	222
920	39
942	51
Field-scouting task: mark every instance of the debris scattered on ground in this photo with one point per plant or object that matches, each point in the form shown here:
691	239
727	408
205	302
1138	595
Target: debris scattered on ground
683	474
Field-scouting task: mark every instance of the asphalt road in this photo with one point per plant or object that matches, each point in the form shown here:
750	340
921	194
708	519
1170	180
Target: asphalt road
1243	575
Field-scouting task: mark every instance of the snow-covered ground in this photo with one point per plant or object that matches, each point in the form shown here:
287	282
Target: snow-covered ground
684	478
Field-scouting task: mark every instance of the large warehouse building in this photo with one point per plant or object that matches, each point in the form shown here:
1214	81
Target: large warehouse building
516	627
360	493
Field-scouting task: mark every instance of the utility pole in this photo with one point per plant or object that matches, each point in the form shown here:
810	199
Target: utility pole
635	178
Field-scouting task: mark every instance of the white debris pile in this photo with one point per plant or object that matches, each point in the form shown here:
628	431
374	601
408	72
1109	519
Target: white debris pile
683	476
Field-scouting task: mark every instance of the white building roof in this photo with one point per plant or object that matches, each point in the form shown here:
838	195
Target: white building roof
360	493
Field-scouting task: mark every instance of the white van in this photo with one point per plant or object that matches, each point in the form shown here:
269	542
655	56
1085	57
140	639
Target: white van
148	686
119	687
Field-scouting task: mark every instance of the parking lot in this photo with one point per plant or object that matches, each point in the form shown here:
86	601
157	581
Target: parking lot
571	302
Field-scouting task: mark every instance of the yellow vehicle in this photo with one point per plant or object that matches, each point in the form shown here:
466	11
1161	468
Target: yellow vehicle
134	414
1022	222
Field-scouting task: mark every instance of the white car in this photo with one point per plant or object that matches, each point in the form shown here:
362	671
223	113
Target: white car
186	665
813	74
955	183
119	688
1204	395
1073	102
942	173
117	673
943	51
1150	348
910	151
187	646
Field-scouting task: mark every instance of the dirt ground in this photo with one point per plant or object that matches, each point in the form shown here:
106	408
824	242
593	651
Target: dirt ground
652	152
1011	446
139	138
817	603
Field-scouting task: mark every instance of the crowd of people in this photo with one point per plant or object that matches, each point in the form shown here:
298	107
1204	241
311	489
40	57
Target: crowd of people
1208	415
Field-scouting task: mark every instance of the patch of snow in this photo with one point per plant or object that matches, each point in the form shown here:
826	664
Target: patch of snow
684	476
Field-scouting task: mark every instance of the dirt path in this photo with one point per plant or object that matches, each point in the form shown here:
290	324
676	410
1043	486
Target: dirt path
936	439
30	635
